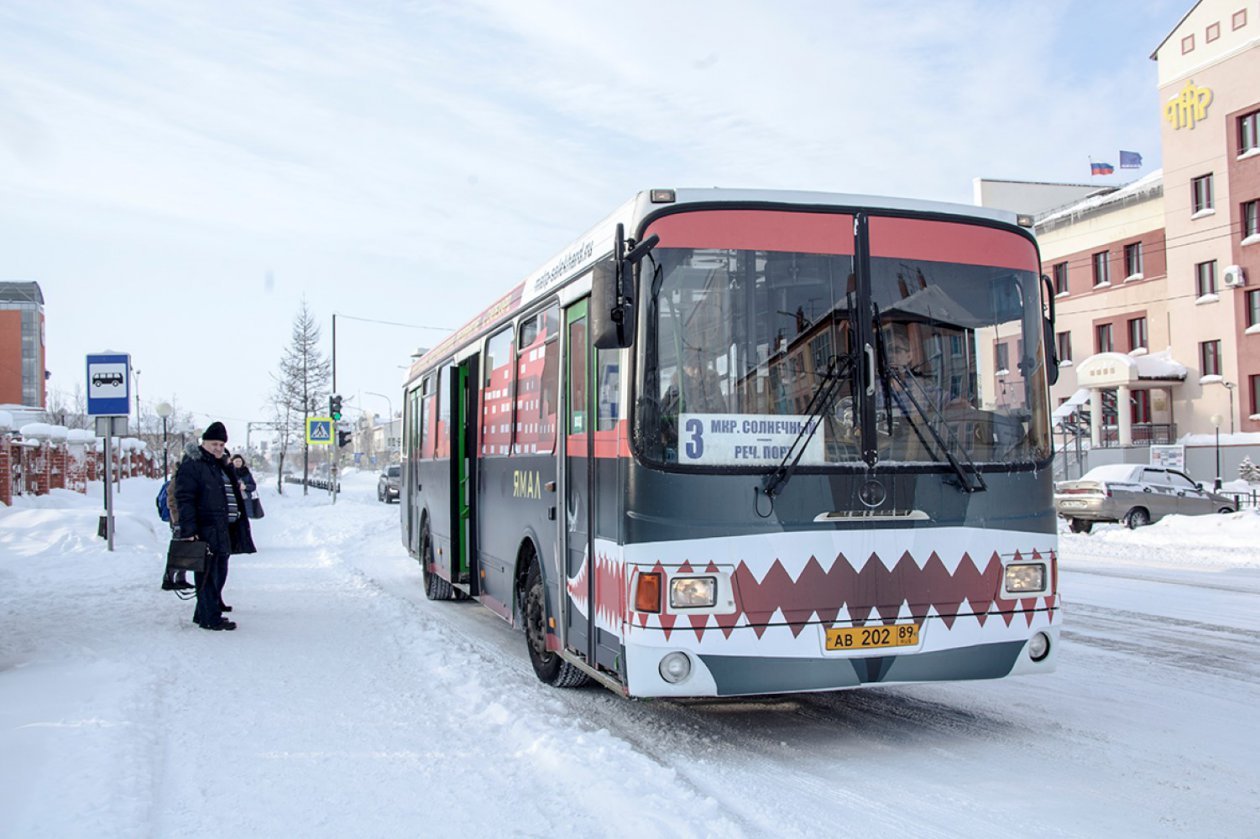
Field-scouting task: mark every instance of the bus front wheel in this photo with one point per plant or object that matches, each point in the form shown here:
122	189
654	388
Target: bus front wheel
550	668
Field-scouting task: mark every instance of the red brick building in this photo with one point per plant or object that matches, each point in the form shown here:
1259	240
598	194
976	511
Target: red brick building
22	345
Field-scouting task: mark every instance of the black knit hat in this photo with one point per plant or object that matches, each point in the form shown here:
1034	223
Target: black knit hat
215	431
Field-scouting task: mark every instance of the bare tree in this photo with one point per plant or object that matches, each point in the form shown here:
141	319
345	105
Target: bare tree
286	430
67	410
301	385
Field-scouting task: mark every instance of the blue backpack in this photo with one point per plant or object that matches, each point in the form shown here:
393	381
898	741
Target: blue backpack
163	507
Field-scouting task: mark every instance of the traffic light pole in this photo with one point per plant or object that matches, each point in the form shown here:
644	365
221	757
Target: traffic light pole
334	411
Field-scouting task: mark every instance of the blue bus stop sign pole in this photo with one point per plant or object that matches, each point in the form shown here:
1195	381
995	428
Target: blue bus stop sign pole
108	397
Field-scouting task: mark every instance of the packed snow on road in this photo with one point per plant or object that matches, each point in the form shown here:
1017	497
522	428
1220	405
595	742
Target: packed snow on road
348	704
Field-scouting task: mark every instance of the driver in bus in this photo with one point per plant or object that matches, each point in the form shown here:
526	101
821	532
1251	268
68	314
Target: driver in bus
695	389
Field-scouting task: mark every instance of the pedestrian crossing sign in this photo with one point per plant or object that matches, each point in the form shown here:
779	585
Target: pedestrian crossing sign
319	431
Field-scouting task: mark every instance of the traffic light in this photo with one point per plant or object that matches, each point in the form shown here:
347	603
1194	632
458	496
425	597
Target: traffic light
334	406
343	437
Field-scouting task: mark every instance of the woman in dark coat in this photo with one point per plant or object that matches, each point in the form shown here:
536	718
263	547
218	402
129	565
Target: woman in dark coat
249	488
211	509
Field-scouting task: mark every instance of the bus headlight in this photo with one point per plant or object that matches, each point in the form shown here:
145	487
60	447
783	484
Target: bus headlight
1039	646
692	592
1026	578
675	667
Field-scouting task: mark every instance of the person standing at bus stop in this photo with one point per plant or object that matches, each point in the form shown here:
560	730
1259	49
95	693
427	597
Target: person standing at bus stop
211	509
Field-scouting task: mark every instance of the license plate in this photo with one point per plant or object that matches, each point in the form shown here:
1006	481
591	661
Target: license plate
873	637
1073	503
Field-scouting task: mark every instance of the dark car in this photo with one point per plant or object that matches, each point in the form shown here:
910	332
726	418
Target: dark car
389	483
1134	494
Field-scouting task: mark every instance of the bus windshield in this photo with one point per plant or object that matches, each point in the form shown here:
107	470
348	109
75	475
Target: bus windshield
739	340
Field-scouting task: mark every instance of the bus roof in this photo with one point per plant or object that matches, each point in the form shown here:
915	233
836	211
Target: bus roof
596	243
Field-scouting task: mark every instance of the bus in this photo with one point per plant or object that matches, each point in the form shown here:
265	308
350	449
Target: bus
752	442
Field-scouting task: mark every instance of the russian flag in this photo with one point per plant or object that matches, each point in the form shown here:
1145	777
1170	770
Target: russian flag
1101	168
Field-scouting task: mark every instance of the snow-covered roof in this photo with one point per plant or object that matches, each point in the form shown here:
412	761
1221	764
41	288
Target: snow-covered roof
1069	407
1159	365
1146	187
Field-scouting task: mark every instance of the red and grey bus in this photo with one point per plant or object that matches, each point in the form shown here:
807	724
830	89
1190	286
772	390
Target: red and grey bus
747	442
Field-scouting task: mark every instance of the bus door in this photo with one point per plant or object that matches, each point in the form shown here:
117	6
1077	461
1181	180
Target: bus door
463	495
578	459
592	505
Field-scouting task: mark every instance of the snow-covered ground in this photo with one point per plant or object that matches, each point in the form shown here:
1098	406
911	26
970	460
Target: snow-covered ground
347	704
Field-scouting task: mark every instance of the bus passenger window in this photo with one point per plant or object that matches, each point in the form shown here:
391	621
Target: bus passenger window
442	440
537	377
609	379
426	416
496	395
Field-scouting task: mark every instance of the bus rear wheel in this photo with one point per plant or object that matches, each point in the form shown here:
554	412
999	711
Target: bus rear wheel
550	668
435	588
1081	525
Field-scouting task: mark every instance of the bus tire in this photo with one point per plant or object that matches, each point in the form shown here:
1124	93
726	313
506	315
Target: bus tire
1081	525
550	668
435	588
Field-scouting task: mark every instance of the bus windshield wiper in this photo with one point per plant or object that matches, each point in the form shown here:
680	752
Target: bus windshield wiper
838	370
890	375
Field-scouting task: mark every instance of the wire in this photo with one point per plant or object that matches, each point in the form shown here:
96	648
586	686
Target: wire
395	323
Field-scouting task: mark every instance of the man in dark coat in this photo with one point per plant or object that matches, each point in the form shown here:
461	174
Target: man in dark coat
208	498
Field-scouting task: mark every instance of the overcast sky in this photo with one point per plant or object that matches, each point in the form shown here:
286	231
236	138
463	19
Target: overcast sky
179	176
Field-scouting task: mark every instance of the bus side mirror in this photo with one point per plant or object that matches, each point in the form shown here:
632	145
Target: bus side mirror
612	314
614	294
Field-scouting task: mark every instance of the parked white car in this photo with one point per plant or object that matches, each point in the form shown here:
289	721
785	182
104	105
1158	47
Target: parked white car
1134	494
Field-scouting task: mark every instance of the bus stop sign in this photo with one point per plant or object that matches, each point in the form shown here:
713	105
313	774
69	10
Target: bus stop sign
109	385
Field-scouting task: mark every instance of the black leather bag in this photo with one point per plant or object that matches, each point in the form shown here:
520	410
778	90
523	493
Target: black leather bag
187	556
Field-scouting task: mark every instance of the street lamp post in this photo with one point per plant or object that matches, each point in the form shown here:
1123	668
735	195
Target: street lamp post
1229	387
388	401
164	411
1216	421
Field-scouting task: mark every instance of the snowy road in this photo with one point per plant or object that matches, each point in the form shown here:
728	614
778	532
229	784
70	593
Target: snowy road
346	703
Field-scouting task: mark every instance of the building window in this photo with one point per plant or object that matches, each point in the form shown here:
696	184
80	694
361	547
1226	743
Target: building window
1249	132
1060	278
1102	274
1063	344
1137	333
1102	338
1240	18
1253	308
1133	259
1002	358
1210	358
1255	394
1213	32
1201	194
1251	219
1187	44
1205	277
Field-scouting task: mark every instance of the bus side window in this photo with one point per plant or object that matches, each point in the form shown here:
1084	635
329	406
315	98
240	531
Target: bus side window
607	375
442	439
496	395
537	369
426	414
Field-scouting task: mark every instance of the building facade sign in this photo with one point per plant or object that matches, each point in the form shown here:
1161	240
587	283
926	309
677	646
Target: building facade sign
1189	107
